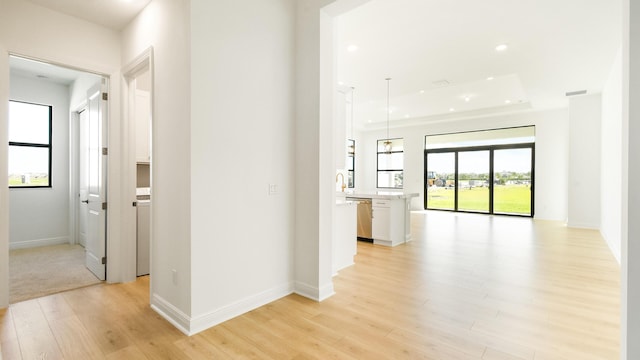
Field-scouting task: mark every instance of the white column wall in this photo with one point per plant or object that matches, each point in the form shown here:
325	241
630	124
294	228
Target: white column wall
584	161
30	30
4	180
552	131
40	216
242	143
611	159
630	264
309	179
164	25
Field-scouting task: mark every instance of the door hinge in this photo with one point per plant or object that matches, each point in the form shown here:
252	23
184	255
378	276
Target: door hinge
104	206
104	260
105	96
105	151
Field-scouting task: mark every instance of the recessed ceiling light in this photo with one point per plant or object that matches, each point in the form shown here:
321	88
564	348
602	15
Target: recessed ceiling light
466	98
441	83
369	121
406	116
501	47
421	91
490	78
352	48
452	109
507	101
340	83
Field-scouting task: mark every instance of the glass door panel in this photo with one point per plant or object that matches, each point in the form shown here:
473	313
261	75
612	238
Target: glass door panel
512	181
473	181
441	169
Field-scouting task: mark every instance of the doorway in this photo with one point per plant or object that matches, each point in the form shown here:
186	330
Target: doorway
139	110
47	254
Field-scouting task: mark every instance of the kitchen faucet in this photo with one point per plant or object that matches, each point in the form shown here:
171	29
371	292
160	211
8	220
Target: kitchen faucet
343	186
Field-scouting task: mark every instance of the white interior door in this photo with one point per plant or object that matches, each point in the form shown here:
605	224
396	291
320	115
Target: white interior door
83	177
96	189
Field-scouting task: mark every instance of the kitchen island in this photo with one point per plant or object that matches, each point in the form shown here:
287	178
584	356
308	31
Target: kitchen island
389	215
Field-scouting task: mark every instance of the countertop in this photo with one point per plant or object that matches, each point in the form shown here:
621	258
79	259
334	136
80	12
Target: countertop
377	194
341	202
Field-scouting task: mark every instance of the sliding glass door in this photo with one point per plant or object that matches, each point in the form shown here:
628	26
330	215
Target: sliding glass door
473	181
495	179
440	180
512	181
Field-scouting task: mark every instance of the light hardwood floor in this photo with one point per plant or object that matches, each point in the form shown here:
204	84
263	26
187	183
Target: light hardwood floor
467	287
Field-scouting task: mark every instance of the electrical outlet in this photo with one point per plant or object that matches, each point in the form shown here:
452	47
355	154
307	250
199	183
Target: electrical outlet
174	276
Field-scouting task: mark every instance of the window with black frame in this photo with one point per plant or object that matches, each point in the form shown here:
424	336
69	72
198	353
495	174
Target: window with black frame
351	163
29	145
390	169
488	171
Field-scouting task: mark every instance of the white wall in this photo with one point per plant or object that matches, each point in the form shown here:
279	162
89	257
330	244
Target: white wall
40	216
242	133
552	129
164	24
611	159
4	183
584	161
33	31
630	264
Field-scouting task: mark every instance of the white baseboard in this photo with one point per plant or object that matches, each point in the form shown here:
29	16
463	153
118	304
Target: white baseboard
613	247
38	242
215	317
314	293
171	313
577	225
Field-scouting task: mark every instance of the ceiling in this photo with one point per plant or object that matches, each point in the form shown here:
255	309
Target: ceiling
47	72
114	14
443	63
441	53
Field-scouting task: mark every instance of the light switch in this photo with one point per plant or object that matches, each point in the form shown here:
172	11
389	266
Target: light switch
273	189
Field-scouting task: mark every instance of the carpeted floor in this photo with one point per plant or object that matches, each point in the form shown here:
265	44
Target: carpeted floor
46	270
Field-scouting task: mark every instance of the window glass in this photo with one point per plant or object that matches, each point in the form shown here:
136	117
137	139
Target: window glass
390	167
28	123
29	145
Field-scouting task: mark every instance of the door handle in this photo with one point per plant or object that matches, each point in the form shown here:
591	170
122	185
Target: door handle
84	201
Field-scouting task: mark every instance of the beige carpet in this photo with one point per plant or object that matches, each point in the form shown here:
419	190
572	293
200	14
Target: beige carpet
46	270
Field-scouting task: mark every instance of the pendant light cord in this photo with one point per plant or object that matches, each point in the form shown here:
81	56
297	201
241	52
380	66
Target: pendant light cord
388	82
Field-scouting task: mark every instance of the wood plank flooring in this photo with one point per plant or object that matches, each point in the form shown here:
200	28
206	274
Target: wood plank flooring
467	287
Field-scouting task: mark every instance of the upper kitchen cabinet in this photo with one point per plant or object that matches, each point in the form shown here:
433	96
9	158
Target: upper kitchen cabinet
343	114
143	126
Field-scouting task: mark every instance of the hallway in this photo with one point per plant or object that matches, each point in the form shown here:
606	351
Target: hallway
468	287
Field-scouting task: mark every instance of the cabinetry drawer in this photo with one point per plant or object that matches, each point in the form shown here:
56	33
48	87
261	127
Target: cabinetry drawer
380	203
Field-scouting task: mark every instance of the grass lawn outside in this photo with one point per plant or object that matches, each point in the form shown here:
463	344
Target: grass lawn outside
34	181
508	199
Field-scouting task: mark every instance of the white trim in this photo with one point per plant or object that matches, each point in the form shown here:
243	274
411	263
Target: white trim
39	242
314	293
579	225
213	318
171	313
613	247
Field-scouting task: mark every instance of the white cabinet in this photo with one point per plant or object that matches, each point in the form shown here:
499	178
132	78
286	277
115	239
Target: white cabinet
143	237
142	113
388	221
344	237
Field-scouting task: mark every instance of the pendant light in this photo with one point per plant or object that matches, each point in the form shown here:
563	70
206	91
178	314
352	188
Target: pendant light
387	143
